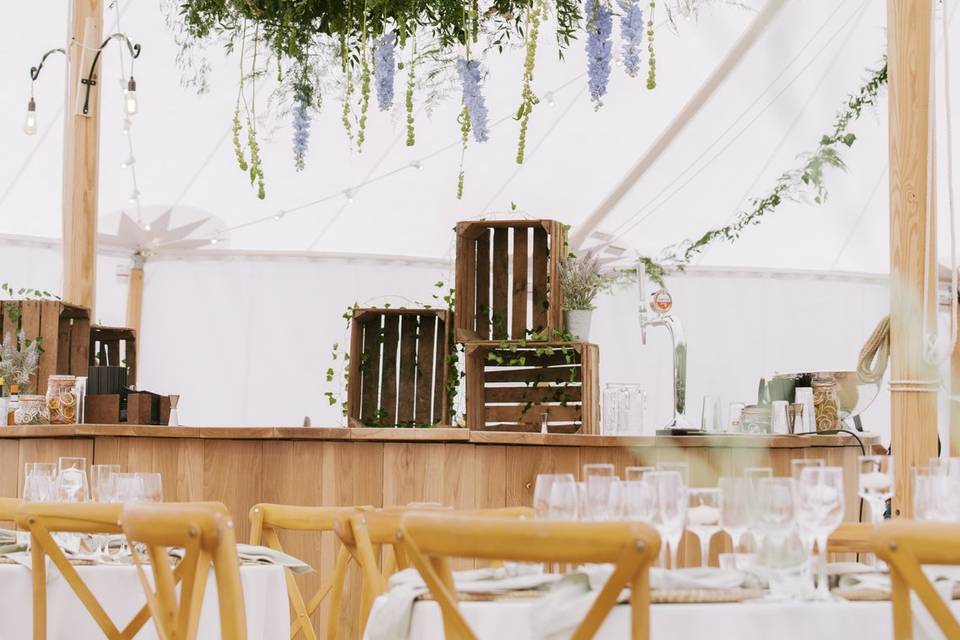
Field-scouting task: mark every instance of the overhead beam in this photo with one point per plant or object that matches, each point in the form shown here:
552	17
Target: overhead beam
913	271
766	15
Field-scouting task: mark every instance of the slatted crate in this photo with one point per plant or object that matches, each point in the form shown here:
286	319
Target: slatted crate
510	384
114	347
64	331
508	279
398	368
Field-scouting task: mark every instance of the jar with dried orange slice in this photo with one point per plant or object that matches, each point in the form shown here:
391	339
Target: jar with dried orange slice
62	399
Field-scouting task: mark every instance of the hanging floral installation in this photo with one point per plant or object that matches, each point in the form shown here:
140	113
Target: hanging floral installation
805	182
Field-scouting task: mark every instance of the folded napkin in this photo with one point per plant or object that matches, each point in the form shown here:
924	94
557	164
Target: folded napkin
8	536
257	554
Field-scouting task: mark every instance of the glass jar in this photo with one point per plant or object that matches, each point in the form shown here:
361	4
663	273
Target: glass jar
32	410
755	419
62	399
825	407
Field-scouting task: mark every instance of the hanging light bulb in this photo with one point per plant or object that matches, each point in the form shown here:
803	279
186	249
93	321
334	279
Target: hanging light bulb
416	164
130	97
279	215
30	124
129	162
349	195
126	126
214	240
147	227
134	196
548	98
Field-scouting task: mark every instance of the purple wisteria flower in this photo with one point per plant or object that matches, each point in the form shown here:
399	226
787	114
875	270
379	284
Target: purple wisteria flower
301	129
473	98
599	47
384	69
631	34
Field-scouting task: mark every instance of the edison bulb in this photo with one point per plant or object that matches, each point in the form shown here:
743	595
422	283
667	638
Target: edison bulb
30	123
130	97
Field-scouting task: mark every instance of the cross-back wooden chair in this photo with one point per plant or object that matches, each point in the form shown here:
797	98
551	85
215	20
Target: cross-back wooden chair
44	519
206	534
369	532
429	540
905	546
8	508
851	537
266	521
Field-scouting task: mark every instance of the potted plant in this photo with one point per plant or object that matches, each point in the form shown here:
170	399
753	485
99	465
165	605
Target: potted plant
582	278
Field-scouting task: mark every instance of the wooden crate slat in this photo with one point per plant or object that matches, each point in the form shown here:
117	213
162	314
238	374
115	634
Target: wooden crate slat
501	285
518	314
53	322
441	408
408	369
466	277
558	251
591	390
352	366
9	322
483	285
529	358
79	345
369	369
532	394
49	336
30	324
425	363
531	413
534	374
539	300
388	376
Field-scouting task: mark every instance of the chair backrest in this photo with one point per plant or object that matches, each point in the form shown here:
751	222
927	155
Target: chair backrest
906	546
429	541
851	537
206	534
266	521
8	508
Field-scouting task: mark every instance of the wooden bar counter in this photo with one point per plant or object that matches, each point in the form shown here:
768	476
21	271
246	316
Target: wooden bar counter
241	466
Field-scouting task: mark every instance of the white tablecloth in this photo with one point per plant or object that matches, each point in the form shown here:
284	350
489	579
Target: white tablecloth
118	590
743	621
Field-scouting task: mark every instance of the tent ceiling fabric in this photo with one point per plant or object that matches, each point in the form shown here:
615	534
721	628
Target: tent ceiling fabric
575	155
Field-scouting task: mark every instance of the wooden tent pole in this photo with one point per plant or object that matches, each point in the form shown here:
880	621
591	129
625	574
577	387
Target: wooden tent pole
955	398
135	296
766	15
913	397
81	150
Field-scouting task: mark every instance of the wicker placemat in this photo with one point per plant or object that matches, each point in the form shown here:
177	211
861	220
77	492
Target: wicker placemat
77	562
874	595
521	594
690	596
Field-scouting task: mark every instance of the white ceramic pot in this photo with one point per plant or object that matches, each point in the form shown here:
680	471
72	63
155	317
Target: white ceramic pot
578	322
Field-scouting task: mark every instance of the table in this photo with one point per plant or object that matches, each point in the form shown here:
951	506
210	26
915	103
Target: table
118	589
743	621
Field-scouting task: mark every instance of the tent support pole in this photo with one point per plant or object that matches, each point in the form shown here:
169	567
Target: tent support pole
913	397
81	150
766	15
135	298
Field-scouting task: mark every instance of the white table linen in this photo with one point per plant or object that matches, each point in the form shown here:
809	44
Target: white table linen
511	619
118	589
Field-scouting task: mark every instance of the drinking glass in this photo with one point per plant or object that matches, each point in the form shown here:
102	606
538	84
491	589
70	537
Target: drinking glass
152	487
756	473
703	516
101	481
876	484
753	475
946	481
563	498
820	507
39	482
599	479
610	410
72	483
806	535
635	473
542	493
734	417
797	466
710	415
778	417
128	487
680	467
945	467
639	500
670	513
734	508
926	501
775	506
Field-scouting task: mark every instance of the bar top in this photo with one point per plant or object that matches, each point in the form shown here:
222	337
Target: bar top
438	434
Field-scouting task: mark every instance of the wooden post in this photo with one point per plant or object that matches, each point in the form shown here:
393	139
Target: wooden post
913	401
955	399
81	150
135	297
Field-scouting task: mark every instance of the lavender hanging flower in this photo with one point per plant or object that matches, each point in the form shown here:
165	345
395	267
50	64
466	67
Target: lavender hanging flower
631	34
301	129
599	48
384	69
473	98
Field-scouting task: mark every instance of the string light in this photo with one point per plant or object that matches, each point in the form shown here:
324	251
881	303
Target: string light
134	196
548	98
126	126
130	102
279	215
129	162
348	193
416	164
214	240
147	227
30	124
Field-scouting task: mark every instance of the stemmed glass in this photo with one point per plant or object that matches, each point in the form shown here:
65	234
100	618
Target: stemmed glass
599	479
72	483
926	503
753	475
561	500
820	508
542	493
806	536
734	508
671	509
797	466
876	484
101	481
680	467
946	481
635	473
39	482
703	515
639	500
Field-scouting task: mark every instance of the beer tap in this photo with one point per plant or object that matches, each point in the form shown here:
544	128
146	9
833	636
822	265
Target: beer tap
655	312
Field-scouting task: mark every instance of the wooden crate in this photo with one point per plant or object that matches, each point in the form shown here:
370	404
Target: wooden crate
398	368
114	347
64	331
508	279
510	384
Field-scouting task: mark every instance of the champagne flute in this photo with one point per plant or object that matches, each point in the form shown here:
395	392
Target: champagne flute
680	467
754	475
703	515
735	508
639	500
541	493
599	479
152	484
72	483
101	481
39	481
563	498
876	484
635	473
806	536
820	508
671	509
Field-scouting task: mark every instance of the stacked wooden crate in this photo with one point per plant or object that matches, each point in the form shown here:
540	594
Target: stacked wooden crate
519	372
63	331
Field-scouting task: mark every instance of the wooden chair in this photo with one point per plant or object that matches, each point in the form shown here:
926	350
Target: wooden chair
8	508
851	537
43	519
266	520
905	546
206	534
429	540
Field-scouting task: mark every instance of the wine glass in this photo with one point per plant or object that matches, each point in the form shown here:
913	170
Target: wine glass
101	481
563	498
635	473
798	465
152	485
876	484
946	482
72	483
670	514
820	506
599	479
680	467
756	473
39	481
806	536
128	487
639	500
734	508
541	493
703	516
926	503
753	475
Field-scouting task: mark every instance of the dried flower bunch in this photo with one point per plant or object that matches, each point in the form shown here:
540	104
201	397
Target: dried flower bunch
583	278
19	360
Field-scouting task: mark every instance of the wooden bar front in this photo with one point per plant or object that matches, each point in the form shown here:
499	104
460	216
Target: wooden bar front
382	467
